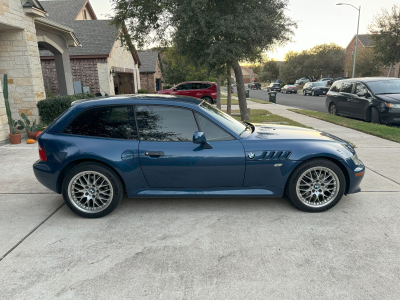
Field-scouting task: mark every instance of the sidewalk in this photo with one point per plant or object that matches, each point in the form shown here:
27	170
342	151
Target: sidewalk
381	157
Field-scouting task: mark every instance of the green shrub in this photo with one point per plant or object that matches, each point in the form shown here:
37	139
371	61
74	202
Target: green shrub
51	108
142	91
167	87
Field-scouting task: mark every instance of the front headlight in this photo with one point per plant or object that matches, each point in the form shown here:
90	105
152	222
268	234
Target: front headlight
392	105
355	159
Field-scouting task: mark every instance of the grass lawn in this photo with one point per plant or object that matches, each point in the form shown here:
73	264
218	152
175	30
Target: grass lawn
261	115
387	132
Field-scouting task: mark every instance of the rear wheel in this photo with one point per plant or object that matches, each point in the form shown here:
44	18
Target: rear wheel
316	185
375	117
333	109
92	190
208	99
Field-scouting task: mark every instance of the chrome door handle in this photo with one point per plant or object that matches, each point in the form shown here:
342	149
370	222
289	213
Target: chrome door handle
154	153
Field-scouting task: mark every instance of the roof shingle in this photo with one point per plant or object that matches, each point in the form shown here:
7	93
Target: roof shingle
148	60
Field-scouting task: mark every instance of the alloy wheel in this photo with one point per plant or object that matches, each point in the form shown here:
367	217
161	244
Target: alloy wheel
332	109
317	187
90	191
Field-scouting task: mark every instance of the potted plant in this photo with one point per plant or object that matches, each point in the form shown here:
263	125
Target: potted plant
15	137
31	131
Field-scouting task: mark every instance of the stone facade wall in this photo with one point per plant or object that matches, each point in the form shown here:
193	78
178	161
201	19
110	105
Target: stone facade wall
20	60
3	116
349	61
83	69
121	58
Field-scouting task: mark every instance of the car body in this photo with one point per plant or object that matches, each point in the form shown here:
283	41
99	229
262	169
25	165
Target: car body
255	86
274	87
373	99
174	146
289	88
326	81
199	89
315	89
302	81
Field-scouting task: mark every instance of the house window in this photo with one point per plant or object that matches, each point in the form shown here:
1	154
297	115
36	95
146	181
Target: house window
84	15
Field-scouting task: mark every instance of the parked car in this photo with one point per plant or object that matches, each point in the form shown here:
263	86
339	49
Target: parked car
373	99
289	88
255	86
315	89
274	87
170	146
326	81
302	81
199	89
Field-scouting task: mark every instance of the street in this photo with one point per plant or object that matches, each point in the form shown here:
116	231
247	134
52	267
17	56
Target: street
294	100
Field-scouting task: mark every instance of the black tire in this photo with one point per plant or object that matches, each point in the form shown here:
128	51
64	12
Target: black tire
375	116
290	189
208	99
333	109
104	170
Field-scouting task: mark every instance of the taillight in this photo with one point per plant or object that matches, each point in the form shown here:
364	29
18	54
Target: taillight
42	154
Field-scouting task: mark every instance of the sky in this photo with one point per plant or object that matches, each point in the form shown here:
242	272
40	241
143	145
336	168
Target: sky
319	21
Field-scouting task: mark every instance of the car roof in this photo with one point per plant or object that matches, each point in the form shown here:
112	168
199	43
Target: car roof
369	79
124	99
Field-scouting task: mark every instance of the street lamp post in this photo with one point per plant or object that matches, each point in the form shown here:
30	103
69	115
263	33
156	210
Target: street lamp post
358	25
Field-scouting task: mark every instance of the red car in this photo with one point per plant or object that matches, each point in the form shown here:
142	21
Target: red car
198	89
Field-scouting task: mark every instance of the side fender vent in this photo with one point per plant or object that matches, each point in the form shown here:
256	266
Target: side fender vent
277	155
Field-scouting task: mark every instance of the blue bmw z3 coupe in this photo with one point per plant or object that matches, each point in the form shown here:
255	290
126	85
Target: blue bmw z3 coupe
176	146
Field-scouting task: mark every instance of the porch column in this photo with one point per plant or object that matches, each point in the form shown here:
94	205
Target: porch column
64	74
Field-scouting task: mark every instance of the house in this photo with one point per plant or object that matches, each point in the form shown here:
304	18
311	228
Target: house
248	75
101	64
24	27
365	41
150	72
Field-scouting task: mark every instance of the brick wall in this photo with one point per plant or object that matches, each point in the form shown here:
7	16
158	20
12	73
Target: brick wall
84	70
151	88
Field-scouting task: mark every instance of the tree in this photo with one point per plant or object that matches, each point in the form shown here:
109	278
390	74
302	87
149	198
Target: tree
177	68
212	33
367	63
385	30
324	59
269	72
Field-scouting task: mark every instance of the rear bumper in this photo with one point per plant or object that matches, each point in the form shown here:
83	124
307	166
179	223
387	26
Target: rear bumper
47	174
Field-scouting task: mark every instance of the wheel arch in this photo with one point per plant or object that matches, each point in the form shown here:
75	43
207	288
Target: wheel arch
332	159
74	163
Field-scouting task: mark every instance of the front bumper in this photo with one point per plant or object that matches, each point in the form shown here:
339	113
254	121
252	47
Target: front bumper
356	175
390	116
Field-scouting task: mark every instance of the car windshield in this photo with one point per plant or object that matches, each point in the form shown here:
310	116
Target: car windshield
385	86
224	118
318	84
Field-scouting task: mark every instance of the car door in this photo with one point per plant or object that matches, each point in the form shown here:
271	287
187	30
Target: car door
183	89
345	98
170	159
197	90
360	101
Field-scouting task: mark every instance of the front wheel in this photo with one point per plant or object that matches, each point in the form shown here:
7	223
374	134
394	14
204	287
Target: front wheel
316	185
332	109
92	189
375	117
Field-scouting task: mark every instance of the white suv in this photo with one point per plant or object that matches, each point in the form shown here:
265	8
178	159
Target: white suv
302	81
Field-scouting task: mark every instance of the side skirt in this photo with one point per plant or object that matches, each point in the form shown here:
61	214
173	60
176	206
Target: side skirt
205	192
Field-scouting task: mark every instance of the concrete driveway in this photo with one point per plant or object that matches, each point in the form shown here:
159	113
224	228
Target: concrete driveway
197	249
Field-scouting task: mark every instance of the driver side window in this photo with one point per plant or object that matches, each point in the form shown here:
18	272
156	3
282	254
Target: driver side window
185	86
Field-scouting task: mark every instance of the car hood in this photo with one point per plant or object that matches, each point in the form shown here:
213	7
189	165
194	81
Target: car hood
285	132
393	98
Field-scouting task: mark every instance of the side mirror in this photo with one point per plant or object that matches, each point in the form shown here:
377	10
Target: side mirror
200	138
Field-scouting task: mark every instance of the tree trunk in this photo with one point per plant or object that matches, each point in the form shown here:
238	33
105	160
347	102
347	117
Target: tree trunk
241	92
390	69
219	92
228	80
